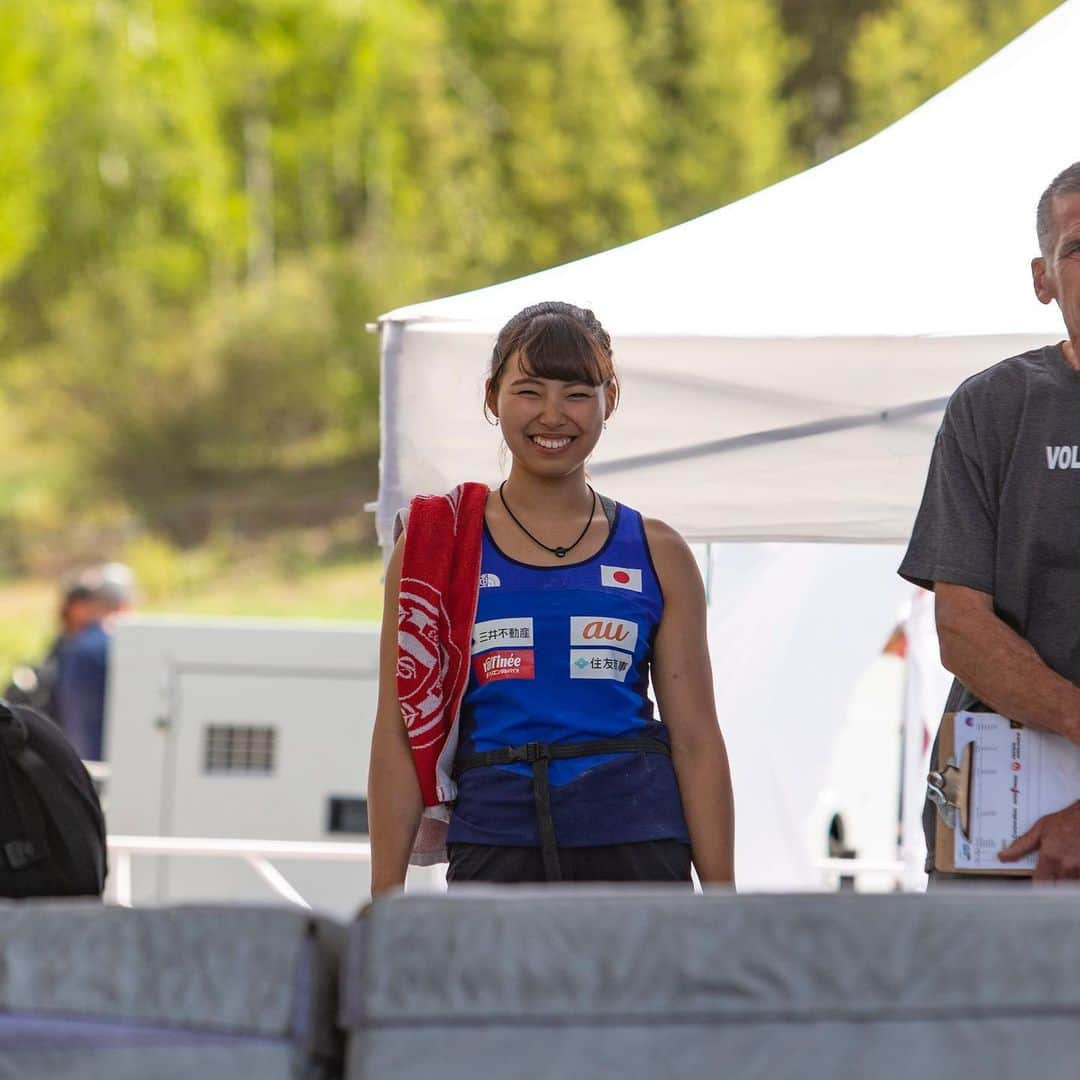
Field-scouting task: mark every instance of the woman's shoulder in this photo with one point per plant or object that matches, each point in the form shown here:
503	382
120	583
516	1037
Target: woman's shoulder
660	532
672	558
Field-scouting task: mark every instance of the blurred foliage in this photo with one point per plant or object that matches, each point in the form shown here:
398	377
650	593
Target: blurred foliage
718	120
203	202
911	49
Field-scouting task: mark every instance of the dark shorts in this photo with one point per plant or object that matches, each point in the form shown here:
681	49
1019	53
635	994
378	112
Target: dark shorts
651	860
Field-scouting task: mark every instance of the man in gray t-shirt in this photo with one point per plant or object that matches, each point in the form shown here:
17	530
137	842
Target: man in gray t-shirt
998	533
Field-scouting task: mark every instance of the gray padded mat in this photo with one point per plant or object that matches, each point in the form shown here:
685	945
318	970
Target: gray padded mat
145	989
265	1061
593	983
215	968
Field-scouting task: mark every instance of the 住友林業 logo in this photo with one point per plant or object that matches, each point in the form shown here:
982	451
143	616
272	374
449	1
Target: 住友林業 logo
599	664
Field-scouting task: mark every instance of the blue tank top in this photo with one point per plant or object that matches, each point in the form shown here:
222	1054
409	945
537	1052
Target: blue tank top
562	654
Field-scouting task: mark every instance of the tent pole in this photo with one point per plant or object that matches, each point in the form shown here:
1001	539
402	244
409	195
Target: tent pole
391	499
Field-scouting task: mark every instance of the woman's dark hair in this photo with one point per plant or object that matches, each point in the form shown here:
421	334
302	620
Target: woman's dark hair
554	340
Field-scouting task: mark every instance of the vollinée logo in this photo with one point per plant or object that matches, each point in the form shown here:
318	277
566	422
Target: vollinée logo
600	630
621	577
504	664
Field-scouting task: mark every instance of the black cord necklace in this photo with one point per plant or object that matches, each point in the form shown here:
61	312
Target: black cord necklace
558	552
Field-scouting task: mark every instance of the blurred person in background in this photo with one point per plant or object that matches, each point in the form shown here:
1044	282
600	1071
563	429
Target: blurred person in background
35	685
83	660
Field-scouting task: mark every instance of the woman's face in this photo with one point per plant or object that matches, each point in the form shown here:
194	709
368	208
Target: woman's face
550	426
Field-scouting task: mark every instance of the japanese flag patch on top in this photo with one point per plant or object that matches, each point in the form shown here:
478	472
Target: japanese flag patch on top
621	577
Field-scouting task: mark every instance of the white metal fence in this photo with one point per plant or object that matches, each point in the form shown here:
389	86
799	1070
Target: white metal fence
256	853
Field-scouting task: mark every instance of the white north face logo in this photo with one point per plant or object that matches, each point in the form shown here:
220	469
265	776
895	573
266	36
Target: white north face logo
621	577
489	581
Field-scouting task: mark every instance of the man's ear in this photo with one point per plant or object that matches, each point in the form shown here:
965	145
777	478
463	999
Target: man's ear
1040	279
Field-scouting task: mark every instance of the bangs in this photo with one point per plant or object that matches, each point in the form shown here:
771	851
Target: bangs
558	347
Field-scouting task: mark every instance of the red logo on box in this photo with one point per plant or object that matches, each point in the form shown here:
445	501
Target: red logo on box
504	664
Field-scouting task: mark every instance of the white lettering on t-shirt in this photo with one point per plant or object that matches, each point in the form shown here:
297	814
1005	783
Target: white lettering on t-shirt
1063	457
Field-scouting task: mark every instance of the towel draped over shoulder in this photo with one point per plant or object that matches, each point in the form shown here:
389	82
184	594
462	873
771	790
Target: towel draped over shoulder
440	581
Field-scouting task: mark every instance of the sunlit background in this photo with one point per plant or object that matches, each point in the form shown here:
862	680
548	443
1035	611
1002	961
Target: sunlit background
202	205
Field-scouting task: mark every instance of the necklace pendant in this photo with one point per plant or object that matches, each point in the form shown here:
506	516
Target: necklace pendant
560	553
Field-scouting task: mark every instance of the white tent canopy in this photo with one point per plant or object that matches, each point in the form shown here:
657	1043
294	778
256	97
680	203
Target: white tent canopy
785	359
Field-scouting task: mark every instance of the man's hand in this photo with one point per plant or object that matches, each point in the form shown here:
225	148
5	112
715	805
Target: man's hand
1056	838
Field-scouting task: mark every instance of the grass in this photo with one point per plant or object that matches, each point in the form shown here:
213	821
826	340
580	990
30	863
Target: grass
322	572
274	582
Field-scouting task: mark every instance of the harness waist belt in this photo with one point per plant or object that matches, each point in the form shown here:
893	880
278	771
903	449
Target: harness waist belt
538	755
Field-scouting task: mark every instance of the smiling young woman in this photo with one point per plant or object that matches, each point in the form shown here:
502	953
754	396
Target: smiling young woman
562	771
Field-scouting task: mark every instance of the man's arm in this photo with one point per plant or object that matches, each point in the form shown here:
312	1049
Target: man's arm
999	666
1002	669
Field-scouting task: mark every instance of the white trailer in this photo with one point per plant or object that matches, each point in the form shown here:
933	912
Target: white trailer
251	729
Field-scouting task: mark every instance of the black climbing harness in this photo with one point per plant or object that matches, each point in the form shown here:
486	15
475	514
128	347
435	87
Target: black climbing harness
538	755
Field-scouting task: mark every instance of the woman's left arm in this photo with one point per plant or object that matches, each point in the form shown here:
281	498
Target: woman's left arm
682	680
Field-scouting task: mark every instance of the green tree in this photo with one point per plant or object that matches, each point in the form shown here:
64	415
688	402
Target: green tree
915	48
22	119
1006	20
567	125
128	160
426	212
817	83
718	125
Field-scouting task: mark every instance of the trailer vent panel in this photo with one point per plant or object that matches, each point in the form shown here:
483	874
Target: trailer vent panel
239	748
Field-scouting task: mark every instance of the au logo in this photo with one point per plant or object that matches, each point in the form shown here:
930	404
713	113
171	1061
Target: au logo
603	630
598	630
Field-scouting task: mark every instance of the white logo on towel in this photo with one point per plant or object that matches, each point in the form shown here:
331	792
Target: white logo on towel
502	633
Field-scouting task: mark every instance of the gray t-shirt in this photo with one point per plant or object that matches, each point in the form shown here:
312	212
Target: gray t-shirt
1001	509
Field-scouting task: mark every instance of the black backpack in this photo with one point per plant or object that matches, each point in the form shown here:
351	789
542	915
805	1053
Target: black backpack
52	831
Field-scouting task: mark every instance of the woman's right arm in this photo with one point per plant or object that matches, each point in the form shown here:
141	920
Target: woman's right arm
394	802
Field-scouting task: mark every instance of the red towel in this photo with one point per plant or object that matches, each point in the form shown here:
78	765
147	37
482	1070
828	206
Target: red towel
440	581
